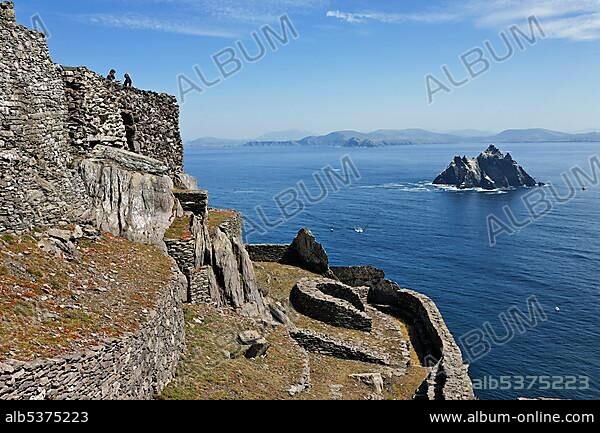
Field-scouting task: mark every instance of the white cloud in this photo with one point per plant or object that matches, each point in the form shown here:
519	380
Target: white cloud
392	18
214	18
577	20
136	22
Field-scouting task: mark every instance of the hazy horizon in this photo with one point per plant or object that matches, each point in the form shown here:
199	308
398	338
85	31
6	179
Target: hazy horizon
467	132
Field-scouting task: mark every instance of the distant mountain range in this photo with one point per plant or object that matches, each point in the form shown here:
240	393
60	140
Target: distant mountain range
389	137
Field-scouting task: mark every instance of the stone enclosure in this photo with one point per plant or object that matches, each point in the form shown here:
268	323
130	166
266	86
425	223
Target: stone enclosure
330	302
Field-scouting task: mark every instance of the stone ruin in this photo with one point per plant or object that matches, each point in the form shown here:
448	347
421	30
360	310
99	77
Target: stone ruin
331	302
78	149
354	294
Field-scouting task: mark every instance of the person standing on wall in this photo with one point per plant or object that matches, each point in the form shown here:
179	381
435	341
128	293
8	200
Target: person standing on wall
128	81
112	75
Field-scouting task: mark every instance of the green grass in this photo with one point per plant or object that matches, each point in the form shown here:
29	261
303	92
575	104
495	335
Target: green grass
9	239
217	217
181	229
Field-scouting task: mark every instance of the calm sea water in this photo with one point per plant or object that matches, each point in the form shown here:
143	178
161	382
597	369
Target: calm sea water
436	242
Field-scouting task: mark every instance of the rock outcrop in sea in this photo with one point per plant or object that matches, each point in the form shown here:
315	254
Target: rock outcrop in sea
490	170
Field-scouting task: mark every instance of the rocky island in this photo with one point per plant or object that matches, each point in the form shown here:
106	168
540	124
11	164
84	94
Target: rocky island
118	281
490	170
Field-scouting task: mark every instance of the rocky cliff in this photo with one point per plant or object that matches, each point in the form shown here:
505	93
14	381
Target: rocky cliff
78	151
490	170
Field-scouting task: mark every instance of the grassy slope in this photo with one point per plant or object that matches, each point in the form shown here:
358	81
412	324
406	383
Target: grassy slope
51	306
206	372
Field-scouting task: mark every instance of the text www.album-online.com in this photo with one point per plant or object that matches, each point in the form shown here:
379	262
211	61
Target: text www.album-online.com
535	417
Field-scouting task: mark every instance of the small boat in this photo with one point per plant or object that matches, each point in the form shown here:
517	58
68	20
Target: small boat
557	309
331	230
584	189
359	230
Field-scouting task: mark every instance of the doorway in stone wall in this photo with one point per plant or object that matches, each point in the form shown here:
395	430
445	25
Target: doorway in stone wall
129	122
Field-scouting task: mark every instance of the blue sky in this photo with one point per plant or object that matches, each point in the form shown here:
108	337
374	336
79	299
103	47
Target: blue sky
357	64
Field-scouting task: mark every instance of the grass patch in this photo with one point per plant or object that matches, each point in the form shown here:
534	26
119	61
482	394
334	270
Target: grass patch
206	372
9	239
35	272
50	306
217	217
181	229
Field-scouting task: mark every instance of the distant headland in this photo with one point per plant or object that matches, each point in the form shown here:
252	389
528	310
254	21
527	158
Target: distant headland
392	137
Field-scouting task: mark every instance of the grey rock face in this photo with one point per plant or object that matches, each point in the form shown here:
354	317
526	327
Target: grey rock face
235	275
226	269
490	170
185	181
127	203
130	160
252	294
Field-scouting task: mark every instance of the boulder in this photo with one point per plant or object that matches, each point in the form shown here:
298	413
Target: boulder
305	252
490	170
185	182
374	380
62	235
258	349
248	338
279	314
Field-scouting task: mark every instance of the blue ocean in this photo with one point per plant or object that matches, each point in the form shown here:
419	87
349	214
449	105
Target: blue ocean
436	241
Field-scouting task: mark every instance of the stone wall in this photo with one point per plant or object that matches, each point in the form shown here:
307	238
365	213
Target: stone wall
137	366
195	202
267	253
318	299
7	12
103	112
39	184
357	276
184	253
325	345
234	226
449	378
203	287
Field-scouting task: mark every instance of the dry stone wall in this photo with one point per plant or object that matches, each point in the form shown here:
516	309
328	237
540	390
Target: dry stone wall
449	376
269	253
39	184
325	345
323	300
137	366
103	112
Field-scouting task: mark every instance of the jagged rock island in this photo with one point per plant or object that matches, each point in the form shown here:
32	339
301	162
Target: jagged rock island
490	170
118	281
